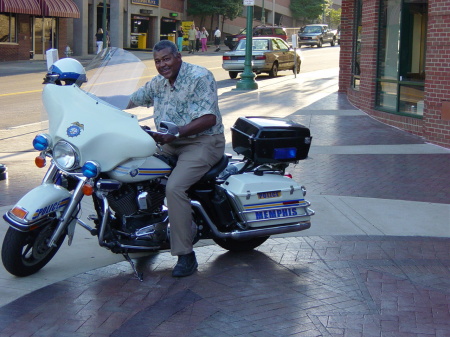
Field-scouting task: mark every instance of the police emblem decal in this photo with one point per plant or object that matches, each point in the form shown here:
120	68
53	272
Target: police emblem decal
75	129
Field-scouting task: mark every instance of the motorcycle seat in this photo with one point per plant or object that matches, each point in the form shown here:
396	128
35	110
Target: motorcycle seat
216	169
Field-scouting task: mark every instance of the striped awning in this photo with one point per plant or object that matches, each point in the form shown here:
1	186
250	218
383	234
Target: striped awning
59	8
20	6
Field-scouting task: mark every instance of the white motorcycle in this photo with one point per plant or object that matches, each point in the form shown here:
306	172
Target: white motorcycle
96	149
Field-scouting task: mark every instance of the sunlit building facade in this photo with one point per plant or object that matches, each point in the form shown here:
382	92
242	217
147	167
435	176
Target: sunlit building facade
395	63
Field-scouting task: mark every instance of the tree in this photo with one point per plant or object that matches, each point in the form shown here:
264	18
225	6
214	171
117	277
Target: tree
335	18
201	8
230	9
308	9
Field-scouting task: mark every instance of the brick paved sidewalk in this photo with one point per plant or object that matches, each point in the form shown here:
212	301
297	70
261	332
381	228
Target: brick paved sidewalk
296	286
292	286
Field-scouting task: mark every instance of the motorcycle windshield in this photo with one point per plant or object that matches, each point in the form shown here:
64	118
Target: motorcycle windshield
113	75
90	117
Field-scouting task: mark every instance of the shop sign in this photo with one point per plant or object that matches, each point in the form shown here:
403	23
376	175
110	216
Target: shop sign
146	2
137	17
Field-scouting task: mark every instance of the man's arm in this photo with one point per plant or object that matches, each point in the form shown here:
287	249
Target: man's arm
197	126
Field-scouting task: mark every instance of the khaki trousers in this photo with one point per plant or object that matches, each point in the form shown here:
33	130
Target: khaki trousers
196	156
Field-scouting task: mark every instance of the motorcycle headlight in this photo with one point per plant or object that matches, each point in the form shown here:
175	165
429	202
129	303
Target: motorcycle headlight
65	155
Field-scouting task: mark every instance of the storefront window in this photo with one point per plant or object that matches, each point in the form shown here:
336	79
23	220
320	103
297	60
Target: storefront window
356	70
8	28
401	56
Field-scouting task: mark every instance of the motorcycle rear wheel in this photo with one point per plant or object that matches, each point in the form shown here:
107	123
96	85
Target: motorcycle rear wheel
240	245
25	253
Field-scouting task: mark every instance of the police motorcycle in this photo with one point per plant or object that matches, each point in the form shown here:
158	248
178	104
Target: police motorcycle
95	149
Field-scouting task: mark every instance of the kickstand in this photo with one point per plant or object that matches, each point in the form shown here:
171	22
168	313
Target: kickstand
140	276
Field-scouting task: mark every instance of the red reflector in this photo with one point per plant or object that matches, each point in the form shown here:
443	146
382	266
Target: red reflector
40	161
288	175
226	57
260	57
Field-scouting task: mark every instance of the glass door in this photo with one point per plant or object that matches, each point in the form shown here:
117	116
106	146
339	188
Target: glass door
44	36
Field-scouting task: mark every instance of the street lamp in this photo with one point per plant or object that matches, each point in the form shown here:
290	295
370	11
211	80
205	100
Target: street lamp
247	81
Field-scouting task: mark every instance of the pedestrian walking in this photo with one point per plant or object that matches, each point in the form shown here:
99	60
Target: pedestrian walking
217	35
197	39
204	37
180	34
99	40
192	37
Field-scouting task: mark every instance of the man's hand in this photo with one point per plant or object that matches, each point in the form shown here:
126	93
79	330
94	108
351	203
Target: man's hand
163	139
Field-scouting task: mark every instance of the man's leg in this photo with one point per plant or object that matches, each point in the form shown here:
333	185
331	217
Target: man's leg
194	160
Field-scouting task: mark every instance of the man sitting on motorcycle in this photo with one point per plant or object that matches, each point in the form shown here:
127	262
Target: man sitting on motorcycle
184	94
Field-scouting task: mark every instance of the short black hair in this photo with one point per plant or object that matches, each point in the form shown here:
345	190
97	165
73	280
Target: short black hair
163	44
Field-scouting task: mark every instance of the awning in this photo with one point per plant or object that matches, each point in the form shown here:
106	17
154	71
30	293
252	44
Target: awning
20	6
59	8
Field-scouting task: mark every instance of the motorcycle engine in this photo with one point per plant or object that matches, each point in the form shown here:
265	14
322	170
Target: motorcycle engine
138	205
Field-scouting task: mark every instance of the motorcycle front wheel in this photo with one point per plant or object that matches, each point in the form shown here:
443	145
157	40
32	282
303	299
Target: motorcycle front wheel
240	245
25	253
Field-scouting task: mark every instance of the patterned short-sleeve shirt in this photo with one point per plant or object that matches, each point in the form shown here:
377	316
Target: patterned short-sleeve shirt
194	94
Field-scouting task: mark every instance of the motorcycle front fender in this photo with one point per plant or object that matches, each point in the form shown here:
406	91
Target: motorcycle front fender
37	204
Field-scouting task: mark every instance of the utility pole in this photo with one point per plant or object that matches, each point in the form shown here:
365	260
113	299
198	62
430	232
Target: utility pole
105	37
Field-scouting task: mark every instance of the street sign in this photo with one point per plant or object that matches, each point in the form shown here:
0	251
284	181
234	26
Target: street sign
249	2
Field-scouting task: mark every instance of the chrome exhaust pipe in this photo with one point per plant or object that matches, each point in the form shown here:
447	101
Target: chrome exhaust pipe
251	233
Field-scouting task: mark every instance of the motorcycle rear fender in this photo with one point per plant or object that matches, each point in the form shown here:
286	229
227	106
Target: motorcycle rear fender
36	204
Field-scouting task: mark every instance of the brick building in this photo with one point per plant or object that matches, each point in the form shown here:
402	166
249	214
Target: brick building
29	27
395	63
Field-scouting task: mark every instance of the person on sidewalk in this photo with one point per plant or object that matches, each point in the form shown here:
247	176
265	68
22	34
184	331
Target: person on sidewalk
204	38
192	37
180	34
217	35
184	94
197	40
99	40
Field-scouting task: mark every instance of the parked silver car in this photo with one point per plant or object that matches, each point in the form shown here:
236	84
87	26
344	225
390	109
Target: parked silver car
269	55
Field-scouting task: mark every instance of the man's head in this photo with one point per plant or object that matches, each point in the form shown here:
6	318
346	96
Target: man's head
167	59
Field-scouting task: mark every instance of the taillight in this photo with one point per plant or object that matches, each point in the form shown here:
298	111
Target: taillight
259	57
226	58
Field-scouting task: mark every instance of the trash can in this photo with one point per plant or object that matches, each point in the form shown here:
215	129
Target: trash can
142	41
171	37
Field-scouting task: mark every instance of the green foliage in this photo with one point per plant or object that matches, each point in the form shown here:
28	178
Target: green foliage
228	8
201	7
335	18
308	9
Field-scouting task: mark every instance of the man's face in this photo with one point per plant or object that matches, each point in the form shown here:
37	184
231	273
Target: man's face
167	64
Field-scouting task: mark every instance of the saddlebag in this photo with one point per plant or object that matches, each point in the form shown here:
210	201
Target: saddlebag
267	200
270	140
